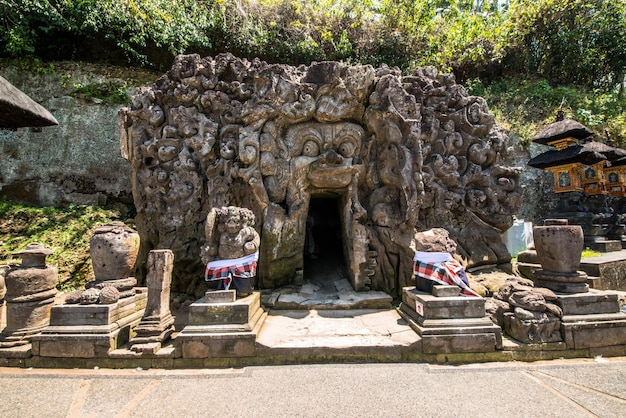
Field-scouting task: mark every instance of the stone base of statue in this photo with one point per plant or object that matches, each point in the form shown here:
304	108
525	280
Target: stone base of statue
575	282
220	325
448	322
592	320
89	331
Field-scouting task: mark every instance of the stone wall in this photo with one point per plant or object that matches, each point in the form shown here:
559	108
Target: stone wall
76	162
80	161
399	154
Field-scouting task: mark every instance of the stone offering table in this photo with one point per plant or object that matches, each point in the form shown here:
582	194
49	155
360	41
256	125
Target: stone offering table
222	326
88	331
448	322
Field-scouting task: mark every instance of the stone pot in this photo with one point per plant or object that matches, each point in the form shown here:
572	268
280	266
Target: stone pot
559	245
114	248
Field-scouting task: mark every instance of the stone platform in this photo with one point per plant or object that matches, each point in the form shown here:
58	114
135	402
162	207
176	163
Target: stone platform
592	320
350	335
450	324
609	268
219	325
317	296
88	331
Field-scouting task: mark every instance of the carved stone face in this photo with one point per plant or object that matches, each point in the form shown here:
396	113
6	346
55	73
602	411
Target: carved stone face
474	113
233	223
329	150
228	148
162	176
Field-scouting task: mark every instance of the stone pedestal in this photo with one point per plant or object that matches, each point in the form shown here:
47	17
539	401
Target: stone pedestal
450	324
575	282
592	320
157	324
88	331
30	293
220	326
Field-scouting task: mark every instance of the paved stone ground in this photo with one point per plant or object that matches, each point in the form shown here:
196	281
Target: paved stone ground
552	389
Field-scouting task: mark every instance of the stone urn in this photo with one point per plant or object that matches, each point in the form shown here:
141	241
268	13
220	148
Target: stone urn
559	245
30	294
114	248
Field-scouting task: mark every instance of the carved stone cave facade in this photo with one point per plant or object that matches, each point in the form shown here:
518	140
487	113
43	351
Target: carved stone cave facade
396	154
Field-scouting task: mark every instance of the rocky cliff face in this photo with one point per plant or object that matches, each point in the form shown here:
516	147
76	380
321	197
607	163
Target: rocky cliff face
78	161
398	154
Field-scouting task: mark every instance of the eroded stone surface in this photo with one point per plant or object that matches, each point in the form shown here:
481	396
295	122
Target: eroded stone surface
526	312
400	154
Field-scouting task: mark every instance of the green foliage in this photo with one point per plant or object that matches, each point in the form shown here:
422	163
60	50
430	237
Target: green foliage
525	105
575	41
66	231
564	47
109	92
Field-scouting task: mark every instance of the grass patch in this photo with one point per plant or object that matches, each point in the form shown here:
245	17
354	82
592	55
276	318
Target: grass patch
588	252
65	231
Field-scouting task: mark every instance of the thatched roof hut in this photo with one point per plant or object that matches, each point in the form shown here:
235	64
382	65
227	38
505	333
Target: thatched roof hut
17	110
566	128
587	153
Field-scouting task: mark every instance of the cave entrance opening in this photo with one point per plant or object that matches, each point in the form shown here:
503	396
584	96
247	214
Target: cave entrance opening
324	260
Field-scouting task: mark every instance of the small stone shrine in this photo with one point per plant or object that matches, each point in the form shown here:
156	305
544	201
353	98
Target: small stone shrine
30	293
94	321
369	155
559	247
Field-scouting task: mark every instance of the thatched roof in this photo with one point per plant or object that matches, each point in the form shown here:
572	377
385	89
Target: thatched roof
587	154
611	153
618	162
17	110
566	128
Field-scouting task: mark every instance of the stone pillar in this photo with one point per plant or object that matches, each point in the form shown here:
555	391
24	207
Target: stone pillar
157	324
30	293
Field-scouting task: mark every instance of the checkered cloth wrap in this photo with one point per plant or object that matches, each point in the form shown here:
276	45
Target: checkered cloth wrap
225	270
442	269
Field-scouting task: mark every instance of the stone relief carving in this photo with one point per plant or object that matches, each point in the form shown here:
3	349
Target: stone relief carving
401	154
229	234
